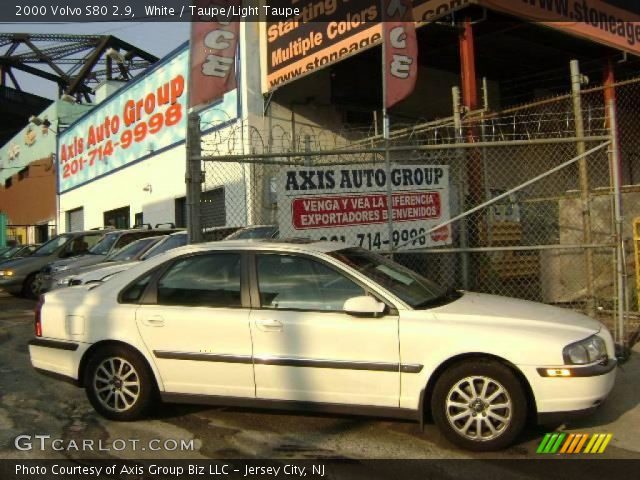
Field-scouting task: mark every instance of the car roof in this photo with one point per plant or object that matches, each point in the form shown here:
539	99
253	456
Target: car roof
249	227
291	244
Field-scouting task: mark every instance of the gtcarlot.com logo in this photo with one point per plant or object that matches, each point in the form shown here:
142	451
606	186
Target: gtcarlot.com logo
574	443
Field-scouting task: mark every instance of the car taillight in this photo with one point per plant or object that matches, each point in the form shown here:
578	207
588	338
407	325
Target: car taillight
38	316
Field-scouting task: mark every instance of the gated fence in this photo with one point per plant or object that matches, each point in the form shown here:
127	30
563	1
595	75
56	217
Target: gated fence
525	202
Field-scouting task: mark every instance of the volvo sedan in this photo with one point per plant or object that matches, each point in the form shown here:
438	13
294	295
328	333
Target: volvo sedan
318	326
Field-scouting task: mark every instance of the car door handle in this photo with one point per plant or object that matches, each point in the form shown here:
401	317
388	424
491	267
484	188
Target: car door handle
155	321
269	325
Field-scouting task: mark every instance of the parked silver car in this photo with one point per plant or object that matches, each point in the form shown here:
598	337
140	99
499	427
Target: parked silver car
18	276
112	242
122	260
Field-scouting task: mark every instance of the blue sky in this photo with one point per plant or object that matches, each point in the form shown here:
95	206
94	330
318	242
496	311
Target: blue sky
158	38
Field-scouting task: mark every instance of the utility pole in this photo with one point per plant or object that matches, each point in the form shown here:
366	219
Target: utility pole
576	85
193	179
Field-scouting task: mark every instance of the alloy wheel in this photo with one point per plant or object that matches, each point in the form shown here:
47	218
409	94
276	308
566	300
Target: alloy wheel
479	408
116	384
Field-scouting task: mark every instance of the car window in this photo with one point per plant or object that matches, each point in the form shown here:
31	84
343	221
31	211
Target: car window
204	280
133	292
104	245
413	288
127	238
132	250
293	282
172	241
51	246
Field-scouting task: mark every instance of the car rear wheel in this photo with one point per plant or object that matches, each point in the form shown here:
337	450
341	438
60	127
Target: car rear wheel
119	383
479	405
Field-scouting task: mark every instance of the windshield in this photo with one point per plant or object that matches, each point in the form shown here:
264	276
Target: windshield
131	251
413	288
51	246
8	253
104	245
172	241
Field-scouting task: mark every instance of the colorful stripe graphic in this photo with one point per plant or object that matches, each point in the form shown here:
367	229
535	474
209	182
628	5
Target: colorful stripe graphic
574	443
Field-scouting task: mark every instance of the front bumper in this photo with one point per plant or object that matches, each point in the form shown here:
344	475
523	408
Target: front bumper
12	284
45	282
582	392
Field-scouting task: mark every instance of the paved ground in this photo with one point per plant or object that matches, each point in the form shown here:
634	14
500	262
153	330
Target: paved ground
33	404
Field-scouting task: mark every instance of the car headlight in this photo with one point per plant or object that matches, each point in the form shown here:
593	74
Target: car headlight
585	351
7	273
63	281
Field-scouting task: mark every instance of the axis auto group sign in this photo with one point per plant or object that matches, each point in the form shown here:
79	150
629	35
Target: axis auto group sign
347	204
142	118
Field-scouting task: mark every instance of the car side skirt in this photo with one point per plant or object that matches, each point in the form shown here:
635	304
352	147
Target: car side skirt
293	405
290	362
58	376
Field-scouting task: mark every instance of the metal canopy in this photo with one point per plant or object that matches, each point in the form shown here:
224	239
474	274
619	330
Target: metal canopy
77	63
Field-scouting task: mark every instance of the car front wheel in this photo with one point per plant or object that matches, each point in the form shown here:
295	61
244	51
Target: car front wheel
119	383
479	405
31	287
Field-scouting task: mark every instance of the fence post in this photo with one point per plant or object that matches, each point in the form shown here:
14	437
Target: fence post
193	178
614	159
464	238
576	82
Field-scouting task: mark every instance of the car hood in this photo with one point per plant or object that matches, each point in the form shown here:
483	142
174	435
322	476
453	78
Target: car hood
96	272
26	264
73	263
496	310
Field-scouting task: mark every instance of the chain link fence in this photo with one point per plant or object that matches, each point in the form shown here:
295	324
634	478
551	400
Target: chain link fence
520	202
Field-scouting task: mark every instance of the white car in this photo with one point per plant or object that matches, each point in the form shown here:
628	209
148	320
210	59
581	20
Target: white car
323	327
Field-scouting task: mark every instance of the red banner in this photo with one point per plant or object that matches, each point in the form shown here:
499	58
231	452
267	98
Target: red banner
214	41
349	210
400	50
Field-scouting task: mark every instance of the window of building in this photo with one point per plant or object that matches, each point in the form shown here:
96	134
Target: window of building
181	212
138	219
118	218
212	207
42	233
75	219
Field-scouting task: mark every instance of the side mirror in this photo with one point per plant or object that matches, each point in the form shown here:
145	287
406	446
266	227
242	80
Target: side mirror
364	306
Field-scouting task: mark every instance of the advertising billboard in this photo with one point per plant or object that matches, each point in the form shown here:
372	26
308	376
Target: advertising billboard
349	204
142	119
327	31
596	20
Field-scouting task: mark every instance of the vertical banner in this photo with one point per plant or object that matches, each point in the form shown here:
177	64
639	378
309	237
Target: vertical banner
400	50
214	41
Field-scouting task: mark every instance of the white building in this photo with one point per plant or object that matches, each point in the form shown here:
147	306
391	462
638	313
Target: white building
123	162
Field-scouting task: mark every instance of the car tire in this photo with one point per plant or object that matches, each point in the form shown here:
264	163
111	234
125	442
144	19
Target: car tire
28	287
479	405
119	383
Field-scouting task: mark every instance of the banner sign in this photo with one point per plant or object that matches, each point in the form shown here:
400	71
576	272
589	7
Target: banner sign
592	19
400	51
214	42
134	123
323	33
349	204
